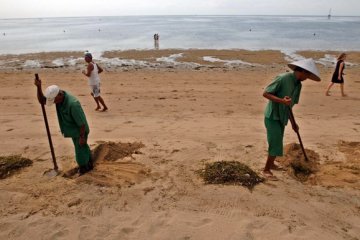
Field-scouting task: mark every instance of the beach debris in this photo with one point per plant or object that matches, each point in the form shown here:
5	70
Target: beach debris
111	151
230	173
295	163
11	164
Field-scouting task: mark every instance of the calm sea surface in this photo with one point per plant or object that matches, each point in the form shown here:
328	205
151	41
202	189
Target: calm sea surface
96	34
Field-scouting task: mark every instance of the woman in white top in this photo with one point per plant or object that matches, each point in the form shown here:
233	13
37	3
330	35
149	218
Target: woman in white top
93	71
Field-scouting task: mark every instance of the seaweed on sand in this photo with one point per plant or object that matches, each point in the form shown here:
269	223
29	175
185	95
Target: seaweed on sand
230	173
11	164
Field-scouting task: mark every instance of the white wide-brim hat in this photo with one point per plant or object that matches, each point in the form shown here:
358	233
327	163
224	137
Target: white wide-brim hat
50	93
308	65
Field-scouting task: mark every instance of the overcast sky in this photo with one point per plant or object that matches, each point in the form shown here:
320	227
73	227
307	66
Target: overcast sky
69	8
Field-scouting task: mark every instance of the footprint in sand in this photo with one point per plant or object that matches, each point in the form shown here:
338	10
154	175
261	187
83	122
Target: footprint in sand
4	227
210	145
127	230
200	223
60	234
85	232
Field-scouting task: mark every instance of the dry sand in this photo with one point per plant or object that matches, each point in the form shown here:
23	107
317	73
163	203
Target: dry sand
184	118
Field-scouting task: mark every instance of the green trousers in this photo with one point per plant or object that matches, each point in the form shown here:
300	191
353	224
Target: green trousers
82	153
275	136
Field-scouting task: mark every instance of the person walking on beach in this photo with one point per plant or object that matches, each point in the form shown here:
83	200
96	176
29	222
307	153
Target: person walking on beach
337	76
92	72
72	121
282	94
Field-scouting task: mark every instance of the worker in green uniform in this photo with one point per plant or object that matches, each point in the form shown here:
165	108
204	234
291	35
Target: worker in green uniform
72	121
283	93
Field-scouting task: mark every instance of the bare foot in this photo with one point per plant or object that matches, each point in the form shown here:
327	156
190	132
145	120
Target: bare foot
268	176
344	95
277	168
104	109
327	94
97	109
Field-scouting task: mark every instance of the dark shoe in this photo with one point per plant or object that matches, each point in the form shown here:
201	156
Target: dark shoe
83	170
90	164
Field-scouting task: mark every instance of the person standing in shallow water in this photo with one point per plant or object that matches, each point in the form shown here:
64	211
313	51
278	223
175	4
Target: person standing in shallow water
337	76
283	93
92	72
156	41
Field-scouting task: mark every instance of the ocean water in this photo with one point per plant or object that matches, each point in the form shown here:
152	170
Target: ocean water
97	34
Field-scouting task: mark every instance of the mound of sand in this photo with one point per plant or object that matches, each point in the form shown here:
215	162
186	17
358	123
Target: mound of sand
111	167
295	163
12	164
111	151
339	173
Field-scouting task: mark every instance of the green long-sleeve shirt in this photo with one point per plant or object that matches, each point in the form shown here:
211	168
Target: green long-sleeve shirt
71	116
283	85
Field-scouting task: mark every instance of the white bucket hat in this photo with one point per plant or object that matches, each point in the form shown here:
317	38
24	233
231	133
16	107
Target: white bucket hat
50	93
308	65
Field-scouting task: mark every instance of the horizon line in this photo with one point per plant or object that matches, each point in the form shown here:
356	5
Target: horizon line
179	15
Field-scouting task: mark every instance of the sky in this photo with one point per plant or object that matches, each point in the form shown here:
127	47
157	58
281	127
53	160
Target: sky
77	8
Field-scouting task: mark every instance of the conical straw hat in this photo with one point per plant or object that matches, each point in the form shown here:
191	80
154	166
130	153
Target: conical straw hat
308	65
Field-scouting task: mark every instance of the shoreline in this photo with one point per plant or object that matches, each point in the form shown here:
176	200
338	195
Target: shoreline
170	58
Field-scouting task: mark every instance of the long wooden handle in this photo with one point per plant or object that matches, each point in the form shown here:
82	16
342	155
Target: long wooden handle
292	119
48	130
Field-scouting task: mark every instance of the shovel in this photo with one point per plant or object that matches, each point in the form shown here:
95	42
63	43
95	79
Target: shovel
51	172
292	119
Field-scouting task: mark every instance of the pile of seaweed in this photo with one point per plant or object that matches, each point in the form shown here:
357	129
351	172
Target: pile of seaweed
111	151
230	173
295	163
11	164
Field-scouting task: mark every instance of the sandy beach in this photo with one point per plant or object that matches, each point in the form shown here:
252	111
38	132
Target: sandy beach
180	115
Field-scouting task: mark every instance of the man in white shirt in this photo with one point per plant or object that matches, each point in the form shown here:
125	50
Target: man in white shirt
92	72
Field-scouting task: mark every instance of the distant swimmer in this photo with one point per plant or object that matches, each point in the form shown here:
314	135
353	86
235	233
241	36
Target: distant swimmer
4	34
63	30
314	34
99	30
250	30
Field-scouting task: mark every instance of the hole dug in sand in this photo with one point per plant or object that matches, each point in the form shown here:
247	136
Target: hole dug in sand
295	163
229	173
12	164
111	169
